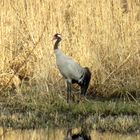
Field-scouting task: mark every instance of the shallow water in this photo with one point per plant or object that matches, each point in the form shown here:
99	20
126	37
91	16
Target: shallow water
57	134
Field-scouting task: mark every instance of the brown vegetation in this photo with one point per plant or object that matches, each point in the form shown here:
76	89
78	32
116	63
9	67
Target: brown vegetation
10	81
101	34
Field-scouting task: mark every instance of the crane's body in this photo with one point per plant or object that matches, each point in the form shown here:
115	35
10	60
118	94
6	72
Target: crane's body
71	70
68	67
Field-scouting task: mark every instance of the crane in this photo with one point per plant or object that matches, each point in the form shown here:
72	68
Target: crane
70	69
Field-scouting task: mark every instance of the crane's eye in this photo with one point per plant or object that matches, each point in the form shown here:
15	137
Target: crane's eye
58	35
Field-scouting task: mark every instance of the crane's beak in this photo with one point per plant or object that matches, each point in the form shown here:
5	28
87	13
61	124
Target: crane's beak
54	38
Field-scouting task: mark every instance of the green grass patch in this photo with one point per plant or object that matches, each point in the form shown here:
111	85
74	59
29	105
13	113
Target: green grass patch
34	110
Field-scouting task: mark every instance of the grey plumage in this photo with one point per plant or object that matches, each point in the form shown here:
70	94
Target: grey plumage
70	69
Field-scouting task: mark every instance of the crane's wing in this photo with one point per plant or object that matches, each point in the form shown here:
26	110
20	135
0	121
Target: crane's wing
75	70
69	68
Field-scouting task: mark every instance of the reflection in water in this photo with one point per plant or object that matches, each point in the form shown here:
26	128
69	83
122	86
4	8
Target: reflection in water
57	134
82	135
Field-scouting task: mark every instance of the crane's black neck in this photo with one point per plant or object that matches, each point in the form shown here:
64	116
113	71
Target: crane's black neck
57	43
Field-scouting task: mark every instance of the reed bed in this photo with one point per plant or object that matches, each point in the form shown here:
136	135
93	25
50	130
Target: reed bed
101	34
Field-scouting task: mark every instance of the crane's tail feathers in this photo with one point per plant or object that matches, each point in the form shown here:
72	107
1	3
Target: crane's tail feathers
84	81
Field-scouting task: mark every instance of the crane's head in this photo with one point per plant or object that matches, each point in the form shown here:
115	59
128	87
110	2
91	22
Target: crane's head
57	36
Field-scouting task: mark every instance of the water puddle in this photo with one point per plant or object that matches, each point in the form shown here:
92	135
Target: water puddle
57	134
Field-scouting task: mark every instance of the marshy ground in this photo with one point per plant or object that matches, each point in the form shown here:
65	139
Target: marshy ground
37	110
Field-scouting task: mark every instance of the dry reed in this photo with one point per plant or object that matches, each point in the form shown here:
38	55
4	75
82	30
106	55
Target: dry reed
101	34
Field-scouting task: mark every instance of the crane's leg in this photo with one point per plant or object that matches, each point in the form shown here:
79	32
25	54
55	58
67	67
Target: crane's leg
68	91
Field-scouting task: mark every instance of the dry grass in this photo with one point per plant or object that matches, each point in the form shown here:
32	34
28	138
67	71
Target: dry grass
101	34
13	81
